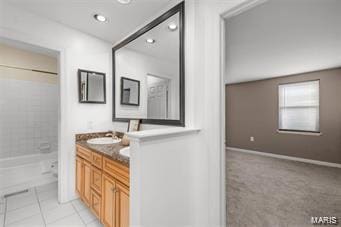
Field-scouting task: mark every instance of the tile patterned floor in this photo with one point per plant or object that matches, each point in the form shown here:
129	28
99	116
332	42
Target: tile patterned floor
39	207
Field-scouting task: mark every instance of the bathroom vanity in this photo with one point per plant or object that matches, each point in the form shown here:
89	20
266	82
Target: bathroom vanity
148	84
102	181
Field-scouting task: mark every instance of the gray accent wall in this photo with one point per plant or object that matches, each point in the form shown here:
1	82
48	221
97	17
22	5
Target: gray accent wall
252	111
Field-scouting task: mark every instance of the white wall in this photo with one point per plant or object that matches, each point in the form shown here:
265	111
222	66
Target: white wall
162	180
77	50
196	161
136	65
283	37
204	108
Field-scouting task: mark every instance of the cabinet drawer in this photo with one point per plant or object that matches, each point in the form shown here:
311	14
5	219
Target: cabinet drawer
96	160
116	170
96	204
96	180
84	153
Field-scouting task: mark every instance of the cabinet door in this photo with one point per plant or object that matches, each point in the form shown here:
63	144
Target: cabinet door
108	201
96	179
87	182
79	176
122	205
96	204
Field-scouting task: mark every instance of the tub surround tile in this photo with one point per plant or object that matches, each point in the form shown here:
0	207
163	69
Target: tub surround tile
37	121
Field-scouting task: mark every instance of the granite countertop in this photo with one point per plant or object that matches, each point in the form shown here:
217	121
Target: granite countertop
111	151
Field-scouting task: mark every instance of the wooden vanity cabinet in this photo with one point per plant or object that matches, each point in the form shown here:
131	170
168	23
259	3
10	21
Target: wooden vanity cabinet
79	176
122	202
115	193
96	180
87	185
103	185
83	177
109	203
96	204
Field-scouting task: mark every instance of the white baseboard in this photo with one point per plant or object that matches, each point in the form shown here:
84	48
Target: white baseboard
329	164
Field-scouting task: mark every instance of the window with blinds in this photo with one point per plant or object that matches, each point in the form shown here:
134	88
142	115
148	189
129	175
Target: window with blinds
299	106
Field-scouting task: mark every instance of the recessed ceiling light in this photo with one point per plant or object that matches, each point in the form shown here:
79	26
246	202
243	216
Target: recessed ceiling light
150	41
100	17
125	2
172	26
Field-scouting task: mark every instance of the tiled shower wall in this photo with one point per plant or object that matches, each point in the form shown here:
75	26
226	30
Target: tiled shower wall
28	117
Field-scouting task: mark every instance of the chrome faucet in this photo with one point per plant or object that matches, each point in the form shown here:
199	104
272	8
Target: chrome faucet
111	135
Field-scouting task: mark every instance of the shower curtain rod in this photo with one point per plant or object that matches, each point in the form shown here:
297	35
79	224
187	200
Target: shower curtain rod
32	70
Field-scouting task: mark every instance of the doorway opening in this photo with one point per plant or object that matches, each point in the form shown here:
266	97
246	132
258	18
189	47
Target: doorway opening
278	96
30	123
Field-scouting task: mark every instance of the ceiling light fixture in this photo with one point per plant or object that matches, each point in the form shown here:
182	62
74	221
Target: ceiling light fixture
100	18
150	41
172	26
124	2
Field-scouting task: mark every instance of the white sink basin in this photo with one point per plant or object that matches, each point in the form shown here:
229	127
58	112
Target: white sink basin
125	151
103	140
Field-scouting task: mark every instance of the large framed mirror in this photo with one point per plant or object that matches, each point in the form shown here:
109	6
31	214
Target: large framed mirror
148	72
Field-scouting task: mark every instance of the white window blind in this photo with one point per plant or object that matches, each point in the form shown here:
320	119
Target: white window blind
299	106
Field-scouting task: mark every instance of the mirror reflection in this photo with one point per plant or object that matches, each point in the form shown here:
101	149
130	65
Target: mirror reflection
152	59
130	92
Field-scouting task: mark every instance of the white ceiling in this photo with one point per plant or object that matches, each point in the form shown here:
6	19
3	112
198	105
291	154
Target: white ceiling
166	44
78	14
283	37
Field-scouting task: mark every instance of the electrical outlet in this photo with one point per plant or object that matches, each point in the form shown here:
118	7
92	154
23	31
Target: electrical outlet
252	139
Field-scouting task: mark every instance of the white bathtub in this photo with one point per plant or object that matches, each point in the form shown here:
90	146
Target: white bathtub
20	173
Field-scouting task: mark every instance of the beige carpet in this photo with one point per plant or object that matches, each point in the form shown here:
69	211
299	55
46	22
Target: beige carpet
263	191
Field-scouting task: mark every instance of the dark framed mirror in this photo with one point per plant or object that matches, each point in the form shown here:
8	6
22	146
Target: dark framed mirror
130	92
153	57
91	87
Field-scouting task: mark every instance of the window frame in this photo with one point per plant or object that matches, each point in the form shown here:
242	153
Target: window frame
279	109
